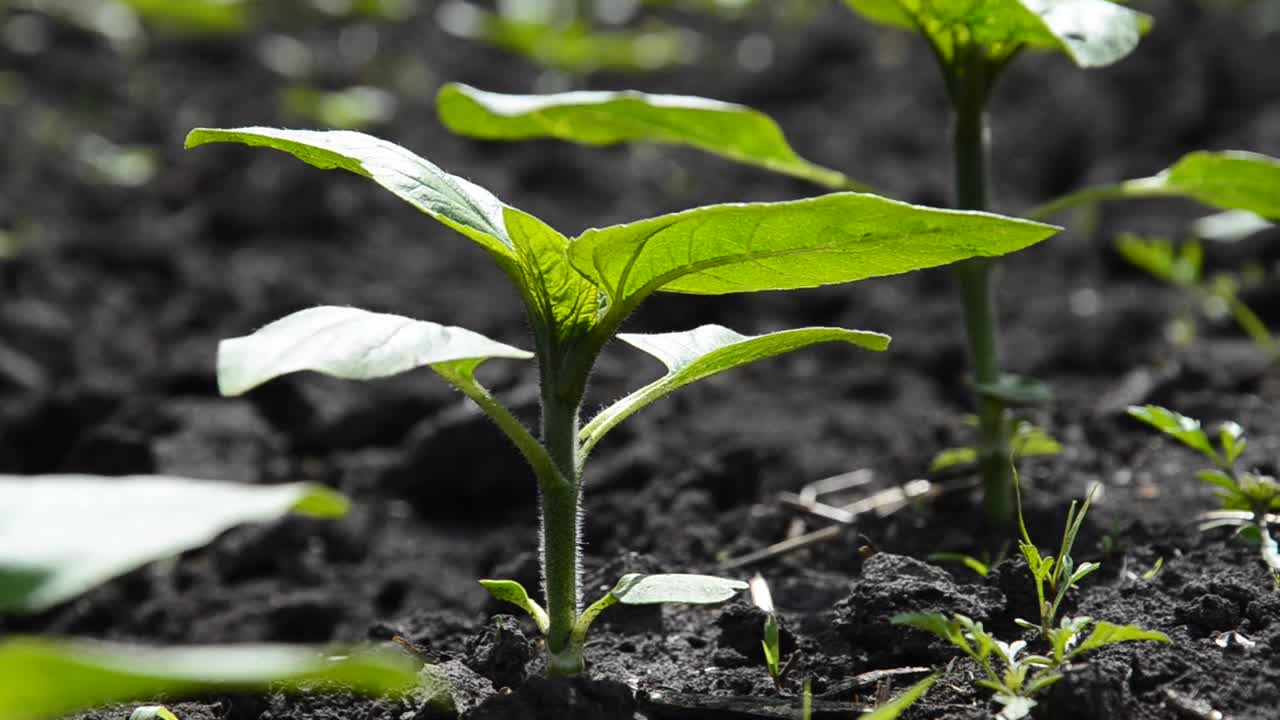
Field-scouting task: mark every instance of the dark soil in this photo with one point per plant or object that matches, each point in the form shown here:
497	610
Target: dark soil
112	310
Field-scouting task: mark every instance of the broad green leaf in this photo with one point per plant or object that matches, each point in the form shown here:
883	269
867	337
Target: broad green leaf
455	202
1105	633
514	593
637	589
63	534
1091	32
349	343
1180	427
45	679
562	299
898	705
709	350
1229	180
732	131
835	238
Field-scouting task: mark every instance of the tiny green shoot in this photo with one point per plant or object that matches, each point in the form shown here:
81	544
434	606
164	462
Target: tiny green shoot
1253	493
762	598
1054	577
1026	440
577	293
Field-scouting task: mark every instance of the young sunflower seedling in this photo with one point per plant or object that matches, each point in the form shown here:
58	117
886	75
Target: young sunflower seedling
576	294
1249	498
973	43
1019	677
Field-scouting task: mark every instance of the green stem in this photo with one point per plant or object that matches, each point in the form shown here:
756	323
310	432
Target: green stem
970	145
561	530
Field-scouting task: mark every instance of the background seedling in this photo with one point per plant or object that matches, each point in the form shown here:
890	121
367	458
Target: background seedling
973	43
762	598
1022	676
1255	494
1018	677
577	293
1214	297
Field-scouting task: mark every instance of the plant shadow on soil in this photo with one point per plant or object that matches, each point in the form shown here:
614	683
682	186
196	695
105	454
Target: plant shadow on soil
112	312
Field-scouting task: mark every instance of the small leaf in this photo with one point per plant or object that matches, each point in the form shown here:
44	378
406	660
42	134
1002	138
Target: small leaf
709	350
45	679
772	647
1230	226
514	593
637	589
1154	255
952	457
898	705
836	238
152	712
1082	572
1231	437
1177	426
1105	633
934	622
63	534
455	202
609	118
968	561
1219	479
1015	707
349	343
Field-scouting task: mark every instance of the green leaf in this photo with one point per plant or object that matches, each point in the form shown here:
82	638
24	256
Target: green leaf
709	350
772	646
46	679
836	238
952	457
1105	633
1229	226
61	535
558	295
349	343
936	623
637	589
1229	180
1092	33
1180	427
1220	480
1015	707
514	593
577	48
898	705
731	131
1231	437
968	561
455	202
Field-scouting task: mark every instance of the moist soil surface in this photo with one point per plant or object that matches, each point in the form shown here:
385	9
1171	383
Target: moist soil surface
114	304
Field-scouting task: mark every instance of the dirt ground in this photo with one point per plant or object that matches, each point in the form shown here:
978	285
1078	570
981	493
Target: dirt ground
113	306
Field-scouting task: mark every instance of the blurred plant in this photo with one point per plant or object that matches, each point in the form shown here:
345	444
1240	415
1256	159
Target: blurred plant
61	535
1214	297
1251	493
1027	440
772	642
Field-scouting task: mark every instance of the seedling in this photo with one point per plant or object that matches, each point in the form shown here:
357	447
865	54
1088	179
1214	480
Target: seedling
973	42
1255	494
577	294
772	641
1020	678
1214	297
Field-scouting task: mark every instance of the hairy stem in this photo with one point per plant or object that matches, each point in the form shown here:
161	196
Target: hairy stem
561	529
971	148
